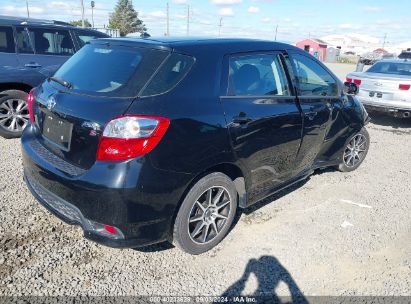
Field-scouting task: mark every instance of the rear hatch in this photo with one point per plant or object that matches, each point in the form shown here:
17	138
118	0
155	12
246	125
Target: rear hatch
94	86
371	81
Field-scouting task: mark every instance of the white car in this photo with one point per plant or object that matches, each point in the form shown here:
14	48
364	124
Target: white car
386	86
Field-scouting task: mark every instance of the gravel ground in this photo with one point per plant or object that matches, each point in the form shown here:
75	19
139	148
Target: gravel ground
334	234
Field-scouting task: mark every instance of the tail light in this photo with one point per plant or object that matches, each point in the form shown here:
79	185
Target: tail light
349	79
357	81
103	230
131	136
404	87
110	229
30	101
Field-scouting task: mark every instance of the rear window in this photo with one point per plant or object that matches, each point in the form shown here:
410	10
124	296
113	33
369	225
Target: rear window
6	40
169	75
395	68
114	71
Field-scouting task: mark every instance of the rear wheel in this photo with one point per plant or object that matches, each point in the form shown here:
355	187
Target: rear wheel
206	214
355	151
14	113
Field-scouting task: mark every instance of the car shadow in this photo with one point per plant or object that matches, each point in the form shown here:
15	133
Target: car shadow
155	247
247	211
269	274
389	121
270	199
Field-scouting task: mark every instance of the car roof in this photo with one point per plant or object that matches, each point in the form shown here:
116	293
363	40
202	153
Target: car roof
11	20
225	45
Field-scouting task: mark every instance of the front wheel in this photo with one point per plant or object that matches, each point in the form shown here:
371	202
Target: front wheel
206	214
14	113
355	151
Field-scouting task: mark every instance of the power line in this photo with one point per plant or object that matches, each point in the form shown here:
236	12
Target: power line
27	7
385	40
82	13
168	20
188	19
92	4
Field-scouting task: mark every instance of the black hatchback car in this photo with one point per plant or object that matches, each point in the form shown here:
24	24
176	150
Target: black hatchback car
140	141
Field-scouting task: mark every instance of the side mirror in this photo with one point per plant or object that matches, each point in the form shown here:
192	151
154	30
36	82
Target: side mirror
350	88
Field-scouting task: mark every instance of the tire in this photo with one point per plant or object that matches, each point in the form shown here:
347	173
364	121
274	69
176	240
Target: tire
14	115
196	212
352	158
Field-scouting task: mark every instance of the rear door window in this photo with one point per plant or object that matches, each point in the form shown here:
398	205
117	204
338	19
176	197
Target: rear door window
170	74
23	41
52	41
84	37
6	40
257	75
110	70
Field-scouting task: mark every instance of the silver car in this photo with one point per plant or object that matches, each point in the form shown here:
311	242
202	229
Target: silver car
385	86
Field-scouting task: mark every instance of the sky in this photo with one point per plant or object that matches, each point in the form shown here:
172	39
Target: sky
296	19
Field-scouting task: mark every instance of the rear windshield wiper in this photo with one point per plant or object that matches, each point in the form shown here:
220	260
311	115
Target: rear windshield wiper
61	81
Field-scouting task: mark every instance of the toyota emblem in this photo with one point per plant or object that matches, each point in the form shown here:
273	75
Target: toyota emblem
51	102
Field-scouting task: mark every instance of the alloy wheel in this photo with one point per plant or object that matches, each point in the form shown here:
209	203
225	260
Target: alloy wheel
209	215
14	115
355	150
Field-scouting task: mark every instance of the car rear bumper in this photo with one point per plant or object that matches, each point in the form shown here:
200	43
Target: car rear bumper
125	195
388	106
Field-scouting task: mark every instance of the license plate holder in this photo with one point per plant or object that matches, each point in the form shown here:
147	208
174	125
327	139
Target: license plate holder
376	95
57	130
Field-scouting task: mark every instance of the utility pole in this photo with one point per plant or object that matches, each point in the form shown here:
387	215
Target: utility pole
385	39
27	6
93	4
276	31
188	19
219	26
168	20
82	13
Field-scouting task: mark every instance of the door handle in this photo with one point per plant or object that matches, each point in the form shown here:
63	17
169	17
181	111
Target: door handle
311	113
32	65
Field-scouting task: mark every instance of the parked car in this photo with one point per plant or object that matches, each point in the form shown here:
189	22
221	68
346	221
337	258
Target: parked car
385	87
370	58
30	51
139	141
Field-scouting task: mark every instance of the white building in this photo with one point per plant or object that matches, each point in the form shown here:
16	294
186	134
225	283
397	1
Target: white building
397	49
353	42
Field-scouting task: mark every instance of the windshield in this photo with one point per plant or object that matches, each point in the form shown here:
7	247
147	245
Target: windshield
110	70
395	68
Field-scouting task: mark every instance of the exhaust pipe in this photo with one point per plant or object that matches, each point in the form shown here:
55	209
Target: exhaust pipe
406	114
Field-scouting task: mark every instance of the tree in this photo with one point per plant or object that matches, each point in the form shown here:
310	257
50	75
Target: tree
79	23
125	18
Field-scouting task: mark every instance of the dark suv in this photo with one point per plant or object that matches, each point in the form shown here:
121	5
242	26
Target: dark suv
141	140
30	51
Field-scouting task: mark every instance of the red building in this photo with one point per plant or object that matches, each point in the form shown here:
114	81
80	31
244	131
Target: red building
315	47
380	51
